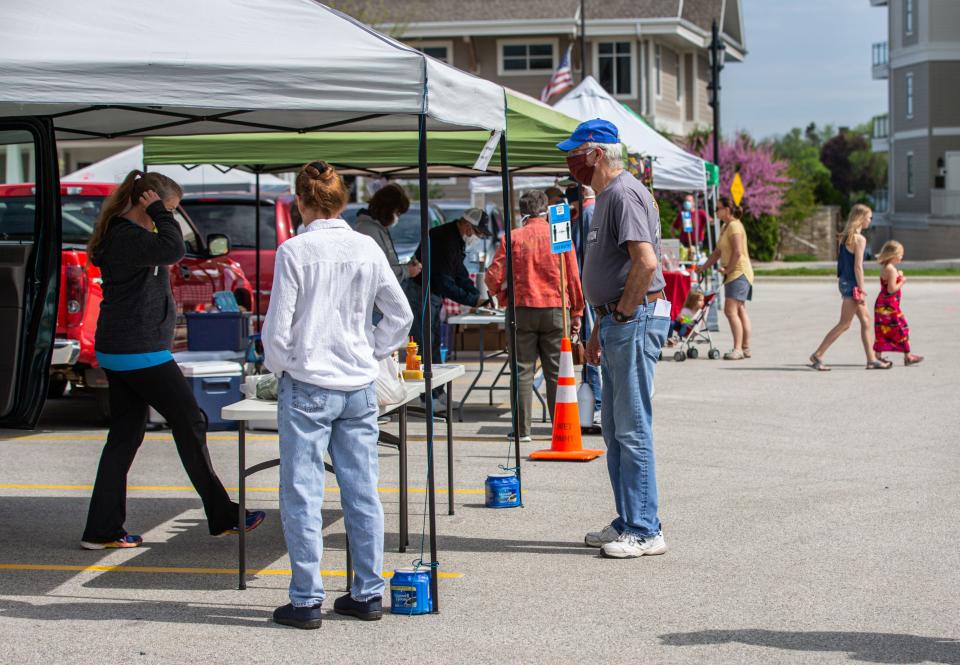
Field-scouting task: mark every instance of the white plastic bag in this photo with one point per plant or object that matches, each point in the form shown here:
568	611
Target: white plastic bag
390	387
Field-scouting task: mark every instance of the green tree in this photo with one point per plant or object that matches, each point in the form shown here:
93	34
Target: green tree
809	179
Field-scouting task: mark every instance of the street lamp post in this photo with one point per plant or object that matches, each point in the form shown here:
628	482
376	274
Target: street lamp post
583	39
717	52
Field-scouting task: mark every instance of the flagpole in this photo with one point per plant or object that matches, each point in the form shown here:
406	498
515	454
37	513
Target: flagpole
583	40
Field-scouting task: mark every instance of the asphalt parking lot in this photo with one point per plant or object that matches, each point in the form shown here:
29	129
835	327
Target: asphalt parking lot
811	518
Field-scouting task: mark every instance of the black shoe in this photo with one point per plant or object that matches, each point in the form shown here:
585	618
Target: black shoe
254	518
307	618
368	610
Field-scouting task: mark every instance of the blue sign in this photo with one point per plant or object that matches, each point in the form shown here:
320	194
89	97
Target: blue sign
687	221
561	239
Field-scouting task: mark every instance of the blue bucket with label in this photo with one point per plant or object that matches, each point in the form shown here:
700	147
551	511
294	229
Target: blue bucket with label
410	592
502	490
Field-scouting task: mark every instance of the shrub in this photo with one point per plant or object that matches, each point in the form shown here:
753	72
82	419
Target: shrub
763	236
799	258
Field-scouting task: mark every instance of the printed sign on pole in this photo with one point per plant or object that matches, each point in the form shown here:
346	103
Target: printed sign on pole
736	189
560	238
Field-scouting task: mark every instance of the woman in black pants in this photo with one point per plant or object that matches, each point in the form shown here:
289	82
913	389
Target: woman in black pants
135	240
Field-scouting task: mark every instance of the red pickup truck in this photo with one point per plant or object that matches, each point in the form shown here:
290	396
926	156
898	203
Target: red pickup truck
194	279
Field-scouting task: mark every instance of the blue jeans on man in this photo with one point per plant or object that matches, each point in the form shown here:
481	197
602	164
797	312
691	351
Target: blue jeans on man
629	359
313	421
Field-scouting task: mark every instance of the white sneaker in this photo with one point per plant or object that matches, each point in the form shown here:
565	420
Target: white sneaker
596	417
601	538
523	439
629	546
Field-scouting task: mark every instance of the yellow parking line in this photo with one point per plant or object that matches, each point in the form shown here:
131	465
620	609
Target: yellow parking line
187	488
182	570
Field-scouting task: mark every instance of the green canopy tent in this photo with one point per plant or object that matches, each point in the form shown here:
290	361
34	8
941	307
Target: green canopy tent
534	129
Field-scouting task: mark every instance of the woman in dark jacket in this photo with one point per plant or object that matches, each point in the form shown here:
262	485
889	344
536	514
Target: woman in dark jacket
383	211
135	240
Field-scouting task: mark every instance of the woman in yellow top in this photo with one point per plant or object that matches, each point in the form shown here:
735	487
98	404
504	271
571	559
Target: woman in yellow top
737	276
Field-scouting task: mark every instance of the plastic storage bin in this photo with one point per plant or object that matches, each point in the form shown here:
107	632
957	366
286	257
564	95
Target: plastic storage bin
217	331
215	384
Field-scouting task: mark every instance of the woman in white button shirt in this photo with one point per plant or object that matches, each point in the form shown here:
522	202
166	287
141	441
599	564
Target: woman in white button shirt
319	338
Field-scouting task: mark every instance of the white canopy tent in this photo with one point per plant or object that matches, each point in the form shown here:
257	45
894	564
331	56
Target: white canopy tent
673	167
224	66
203	178
109	68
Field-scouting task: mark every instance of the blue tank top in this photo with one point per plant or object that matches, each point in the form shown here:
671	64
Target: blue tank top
845	264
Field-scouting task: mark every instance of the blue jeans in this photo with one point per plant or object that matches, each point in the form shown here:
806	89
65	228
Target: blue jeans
311	422
591	373
629	359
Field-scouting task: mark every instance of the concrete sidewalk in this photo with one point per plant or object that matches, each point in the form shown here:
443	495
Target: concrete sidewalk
811	518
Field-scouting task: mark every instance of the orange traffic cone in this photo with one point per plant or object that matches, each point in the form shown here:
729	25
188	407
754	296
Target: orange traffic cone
567	441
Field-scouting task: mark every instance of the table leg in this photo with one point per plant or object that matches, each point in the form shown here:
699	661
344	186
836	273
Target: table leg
404	490
473	383
496	379
242	502
450	448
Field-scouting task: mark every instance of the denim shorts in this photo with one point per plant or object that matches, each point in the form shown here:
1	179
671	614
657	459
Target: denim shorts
738	289
846	287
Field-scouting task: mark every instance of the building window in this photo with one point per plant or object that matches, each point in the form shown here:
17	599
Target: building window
615	68
526	57
657	68
910	190
908	17
908	85
437	52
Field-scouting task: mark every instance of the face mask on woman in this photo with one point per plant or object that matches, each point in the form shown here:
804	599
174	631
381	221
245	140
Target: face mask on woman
687	205
394	218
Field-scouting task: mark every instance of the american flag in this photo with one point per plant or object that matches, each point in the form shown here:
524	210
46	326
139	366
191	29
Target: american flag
562	79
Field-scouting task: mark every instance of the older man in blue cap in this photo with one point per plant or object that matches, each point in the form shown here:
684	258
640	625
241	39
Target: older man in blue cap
623	283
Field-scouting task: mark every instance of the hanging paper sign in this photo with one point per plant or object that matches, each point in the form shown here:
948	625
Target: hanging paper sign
687	221
483	161
560	238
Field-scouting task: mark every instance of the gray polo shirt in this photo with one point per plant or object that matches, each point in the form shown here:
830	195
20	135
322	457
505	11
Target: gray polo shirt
625	211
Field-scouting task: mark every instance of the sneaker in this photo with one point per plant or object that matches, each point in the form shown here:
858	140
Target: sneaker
439	403
629	546
254	517
125	542
735	354
307	618
596	418
523	439
366	610
600	538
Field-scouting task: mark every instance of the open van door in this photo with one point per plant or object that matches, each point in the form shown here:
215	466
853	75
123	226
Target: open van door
29	268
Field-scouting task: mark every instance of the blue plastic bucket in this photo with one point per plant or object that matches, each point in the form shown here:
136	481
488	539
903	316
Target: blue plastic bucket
410	591
502	490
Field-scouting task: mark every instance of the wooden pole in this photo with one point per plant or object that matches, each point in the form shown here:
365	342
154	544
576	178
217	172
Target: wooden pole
563	296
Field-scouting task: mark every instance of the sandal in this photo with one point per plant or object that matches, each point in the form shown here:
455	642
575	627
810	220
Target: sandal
912	360
746	353
879	364
817	363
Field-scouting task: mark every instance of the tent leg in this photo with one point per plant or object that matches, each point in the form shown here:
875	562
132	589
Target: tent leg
256	285
427	352
511	308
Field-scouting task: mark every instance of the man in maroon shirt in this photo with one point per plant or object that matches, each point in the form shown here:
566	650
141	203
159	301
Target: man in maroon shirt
691	223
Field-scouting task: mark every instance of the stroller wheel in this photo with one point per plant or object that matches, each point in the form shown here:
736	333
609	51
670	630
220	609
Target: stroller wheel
693	353
679	357
713	354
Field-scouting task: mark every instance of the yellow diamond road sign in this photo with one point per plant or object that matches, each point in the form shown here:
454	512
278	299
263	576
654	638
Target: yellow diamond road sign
736	189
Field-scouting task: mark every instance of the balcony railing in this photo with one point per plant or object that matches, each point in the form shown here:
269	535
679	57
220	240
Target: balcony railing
880	138
881	60
881	201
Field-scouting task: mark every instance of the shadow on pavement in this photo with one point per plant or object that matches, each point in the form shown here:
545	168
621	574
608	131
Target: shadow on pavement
498	546
864	647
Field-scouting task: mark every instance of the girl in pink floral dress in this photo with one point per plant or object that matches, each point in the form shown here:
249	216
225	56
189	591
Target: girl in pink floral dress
890	326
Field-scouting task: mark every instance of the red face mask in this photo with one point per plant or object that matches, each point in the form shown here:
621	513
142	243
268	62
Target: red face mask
579	169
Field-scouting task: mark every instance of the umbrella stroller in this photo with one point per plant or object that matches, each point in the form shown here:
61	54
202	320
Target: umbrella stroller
698	332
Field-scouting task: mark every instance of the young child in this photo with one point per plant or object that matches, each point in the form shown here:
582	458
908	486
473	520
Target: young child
684	322
890	326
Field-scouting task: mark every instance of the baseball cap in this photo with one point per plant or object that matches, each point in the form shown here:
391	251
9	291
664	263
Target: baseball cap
592	131
478	219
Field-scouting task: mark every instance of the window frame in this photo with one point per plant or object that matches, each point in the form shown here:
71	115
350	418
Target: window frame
908	90
909	17
633	64
436	43
681	80
911	190
553	42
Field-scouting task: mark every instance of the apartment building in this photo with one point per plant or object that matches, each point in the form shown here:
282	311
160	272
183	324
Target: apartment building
920	63
651	54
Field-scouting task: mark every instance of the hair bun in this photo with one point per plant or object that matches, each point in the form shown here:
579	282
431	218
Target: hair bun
320	166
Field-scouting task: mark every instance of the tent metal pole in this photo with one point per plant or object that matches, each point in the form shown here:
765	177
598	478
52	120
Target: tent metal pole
511	306
427	350
256	286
